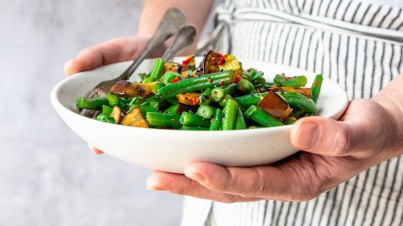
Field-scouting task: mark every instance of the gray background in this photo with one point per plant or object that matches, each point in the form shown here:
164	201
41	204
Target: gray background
47	174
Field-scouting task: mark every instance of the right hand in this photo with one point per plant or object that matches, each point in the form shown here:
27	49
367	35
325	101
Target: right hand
113	51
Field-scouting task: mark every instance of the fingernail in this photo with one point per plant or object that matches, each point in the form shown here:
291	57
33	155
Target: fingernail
153	185
308	135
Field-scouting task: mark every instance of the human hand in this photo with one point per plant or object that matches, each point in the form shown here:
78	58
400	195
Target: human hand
113	51
369	132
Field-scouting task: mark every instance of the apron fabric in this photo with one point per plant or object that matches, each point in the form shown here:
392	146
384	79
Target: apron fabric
356	44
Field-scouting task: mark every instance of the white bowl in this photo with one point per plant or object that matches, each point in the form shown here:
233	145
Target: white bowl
171	150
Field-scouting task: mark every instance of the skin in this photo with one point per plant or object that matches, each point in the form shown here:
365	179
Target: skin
369	132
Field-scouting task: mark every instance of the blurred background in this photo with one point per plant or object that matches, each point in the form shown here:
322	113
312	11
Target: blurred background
47	174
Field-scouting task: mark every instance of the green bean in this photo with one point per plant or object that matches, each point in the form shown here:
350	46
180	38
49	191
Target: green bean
223	100
190	119
299	101
195	84
105	118
316	86
172	109
149	79
216	120
158	68
217	93
294	82
231	89
258	115
229	112
95	103
169	76
157	86
157	119
146	108
194	128
205	111
245	86
248	100
114	100
106	110
240	122
205	97
158	103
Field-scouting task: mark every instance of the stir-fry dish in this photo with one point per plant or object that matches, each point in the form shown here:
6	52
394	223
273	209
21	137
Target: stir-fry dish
218	94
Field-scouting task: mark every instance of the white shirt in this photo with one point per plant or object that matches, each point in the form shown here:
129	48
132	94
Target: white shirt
396	3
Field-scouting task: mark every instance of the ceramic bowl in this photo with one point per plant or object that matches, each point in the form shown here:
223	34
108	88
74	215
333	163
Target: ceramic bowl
171	150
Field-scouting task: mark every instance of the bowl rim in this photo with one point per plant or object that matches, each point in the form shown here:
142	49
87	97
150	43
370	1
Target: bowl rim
57	104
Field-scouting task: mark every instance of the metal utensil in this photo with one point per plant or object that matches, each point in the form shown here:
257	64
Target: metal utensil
184	38
172	20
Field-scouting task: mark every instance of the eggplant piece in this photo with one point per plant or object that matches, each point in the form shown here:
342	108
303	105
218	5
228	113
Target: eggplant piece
117	114
127	89
304	91
275	105
209	63
135	119
171	66
188	98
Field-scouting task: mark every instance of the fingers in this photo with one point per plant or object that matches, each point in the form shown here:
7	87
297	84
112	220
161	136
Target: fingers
112	51
95	150
263	182
180	184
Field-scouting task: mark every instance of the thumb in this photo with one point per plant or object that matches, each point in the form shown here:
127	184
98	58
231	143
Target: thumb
330	137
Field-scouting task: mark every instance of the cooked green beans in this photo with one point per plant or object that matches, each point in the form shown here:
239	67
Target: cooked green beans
316	86
205	111
258	115
95	103
190	119
216	120
205	97
294	82
195	84
162	120
240	122
229	111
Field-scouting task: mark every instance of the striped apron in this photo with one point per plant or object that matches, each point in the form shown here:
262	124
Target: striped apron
356	44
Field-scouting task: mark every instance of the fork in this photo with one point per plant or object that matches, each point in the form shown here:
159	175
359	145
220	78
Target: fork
184	37
171	22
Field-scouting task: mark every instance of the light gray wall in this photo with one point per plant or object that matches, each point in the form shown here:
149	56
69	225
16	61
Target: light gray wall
47	174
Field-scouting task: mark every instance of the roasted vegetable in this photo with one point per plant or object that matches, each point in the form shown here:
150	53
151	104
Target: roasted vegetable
135	119
275	105
209	64
128	89
188	98
116	114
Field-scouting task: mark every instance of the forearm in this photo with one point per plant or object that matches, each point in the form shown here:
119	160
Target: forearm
391	98
196	13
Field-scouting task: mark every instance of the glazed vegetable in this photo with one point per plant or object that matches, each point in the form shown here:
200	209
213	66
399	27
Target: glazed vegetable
293	82
275	105
216	95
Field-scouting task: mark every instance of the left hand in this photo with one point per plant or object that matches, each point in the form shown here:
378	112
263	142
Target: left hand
334	151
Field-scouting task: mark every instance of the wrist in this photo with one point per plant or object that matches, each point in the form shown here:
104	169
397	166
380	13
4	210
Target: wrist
391	99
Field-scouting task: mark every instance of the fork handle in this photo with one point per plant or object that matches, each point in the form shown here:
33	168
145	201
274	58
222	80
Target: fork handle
184	37
172	20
